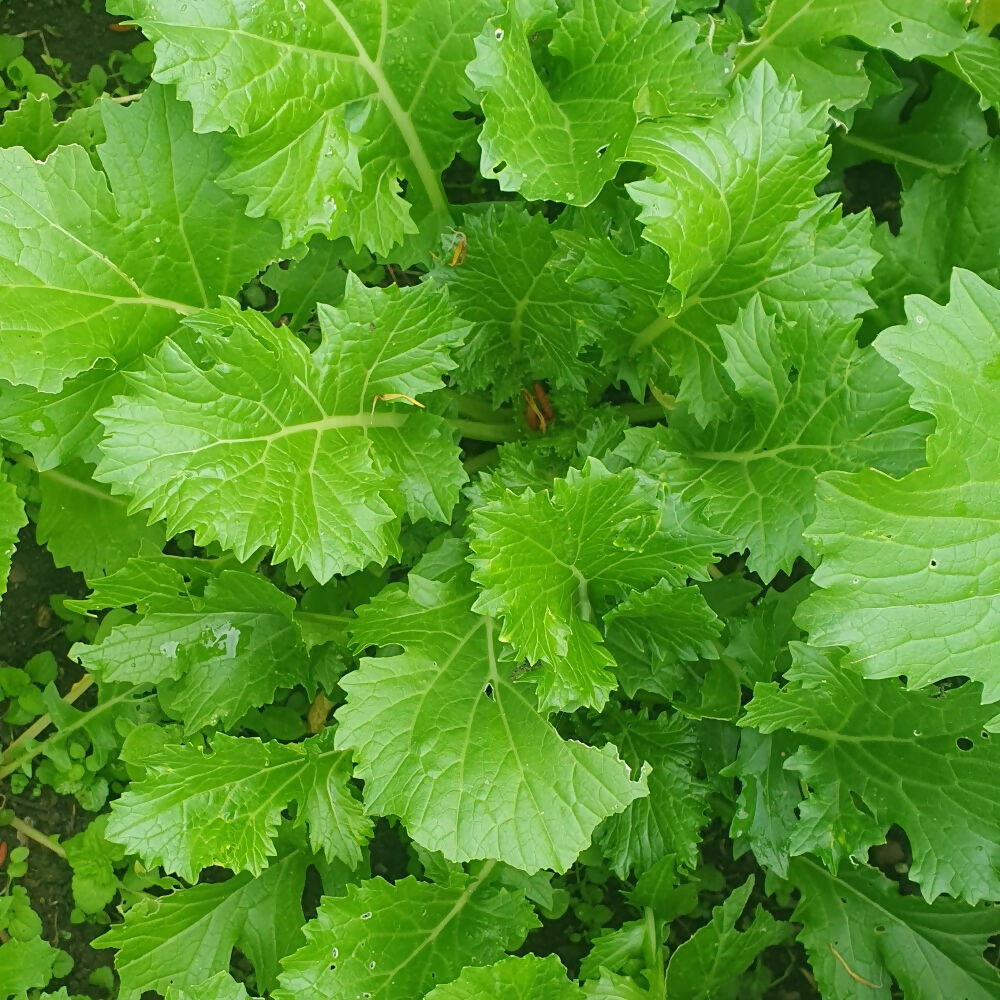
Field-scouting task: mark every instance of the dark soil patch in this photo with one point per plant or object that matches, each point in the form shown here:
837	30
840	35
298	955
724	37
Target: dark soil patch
27	627
69	32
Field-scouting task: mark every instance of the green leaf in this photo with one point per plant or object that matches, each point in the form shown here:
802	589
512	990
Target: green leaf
977	61
527	978
261	443
333	104
861	933
550	564
69	497
12	520
669	820
398	941
92	858
804	400
89	273
717	953
947	222
909	582
447	741
31	124
562	133
733	203
316	277
219	987
527	322
181	939
654	633
25	965
801	38
212	657
873	754
193	810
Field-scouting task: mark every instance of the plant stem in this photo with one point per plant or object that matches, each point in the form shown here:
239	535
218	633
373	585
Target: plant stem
654	957
475	408
479	431
83	684
639	413
479	462
26	830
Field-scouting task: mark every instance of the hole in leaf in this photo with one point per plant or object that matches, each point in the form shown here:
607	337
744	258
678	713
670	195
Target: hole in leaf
500	166
896	27
933	564
963	743
601	151
488	691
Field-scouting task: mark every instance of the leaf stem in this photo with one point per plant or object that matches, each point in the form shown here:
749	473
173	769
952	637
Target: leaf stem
475	408
28	831
44	721
641	413
481	461
654	957
479	430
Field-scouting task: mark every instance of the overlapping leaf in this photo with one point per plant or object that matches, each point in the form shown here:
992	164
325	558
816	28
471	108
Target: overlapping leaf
804	39
861	933
398	941
803	401
448	742
260	443
211	655
527	978
332	104
561	133
12	520
183	938
733	203
911	583
551	564
527	322
918	761
193	810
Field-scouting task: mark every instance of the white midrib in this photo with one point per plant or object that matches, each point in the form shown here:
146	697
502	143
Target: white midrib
404	124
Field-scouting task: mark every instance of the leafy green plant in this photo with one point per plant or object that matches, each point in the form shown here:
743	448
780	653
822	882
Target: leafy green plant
538	541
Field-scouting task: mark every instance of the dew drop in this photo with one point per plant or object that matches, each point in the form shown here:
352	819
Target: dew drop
498	34
569	195
919	320
855	580
371	965
366	916
156	239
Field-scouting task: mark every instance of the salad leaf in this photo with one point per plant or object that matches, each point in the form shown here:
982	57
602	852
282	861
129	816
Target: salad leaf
528	977
497	766
929	534
12	520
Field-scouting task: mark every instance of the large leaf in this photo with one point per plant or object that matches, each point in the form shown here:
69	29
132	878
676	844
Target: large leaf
562	134
803	39
212	656
192	810
873	754
332	103
447	741
551	564
861	933
733	203
185	937
910	578
527	978
527	322
396	942
103	265
261	443
804	400
69	497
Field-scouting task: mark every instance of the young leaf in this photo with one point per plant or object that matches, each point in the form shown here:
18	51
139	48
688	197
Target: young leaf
609	65
527	978
874	754
861	933
448	742
528	323
670	818
212	657
909	584
262	443
718	953
220	987
25	965
333	102
12	520
551	563
183	938
805	400
733	202
193	810
399	941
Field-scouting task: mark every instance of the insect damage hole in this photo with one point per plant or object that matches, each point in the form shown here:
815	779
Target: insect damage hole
488	691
